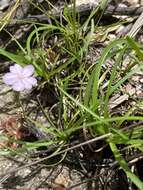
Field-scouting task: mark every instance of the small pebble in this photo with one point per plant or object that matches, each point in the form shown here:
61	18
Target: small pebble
135	78
4	4
138	87
141	80
139	92
130	89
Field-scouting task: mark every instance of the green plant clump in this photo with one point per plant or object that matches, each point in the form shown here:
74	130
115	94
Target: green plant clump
83	87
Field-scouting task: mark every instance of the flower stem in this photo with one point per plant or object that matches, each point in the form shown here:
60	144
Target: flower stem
18	102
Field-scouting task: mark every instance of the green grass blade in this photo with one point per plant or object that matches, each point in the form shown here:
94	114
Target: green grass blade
125	167
19	59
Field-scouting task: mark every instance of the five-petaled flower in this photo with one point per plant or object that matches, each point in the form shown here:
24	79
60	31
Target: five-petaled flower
20	78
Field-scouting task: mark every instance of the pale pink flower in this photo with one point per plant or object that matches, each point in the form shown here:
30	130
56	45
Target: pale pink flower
20	78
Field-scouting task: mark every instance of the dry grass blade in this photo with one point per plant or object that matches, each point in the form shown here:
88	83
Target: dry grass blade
8	16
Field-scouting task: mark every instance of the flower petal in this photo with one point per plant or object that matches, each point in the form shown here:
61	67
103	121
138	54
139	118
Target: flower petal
18	86
16	69
32	81
28	70
29	82
9	78
26	84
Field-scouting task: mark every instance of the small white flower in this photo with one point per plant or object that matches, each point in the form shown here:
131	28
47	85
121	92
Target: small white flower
20	78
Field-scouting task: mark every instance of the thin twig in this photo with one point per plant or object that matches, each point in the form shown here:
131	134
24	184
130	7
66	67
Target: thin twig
83	9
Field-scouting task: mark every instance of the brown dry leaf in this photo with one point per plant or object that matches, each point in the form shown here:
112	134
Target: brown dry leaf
62	180
55	186
10	128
